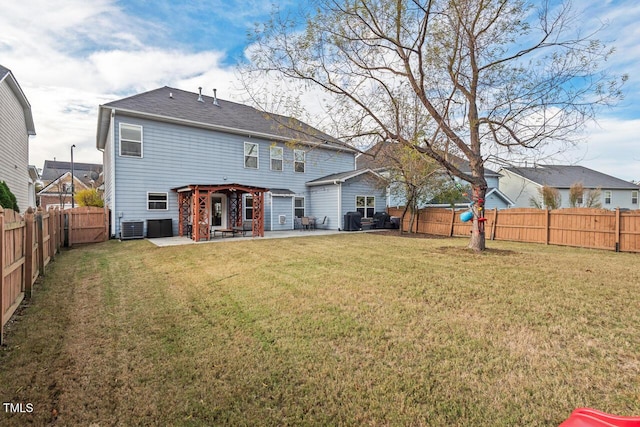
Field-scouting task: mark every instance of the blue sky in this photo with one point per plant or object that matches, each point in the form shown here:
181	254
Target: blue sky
70	56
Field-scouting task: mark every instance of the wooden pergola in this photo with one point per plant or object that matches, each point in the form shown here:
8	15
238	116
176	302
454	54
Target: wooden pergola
194	203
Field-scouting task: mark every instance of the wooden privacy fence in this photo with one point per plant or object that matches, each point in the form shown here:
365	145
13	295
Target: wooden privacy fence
28	243
580	227
87	224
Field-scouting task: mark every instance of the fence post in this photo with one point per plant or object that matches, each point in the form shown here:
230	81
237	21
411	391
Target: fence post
2	249
59	231
39	234
28	252
547	225
52	240
617	229
453	220
493	226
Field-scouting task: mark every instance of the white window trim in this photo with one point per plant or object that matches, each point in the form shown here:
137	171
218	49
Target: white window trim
158	192
245	155
304	206
245	207
634	195
304	160
272	158
610	193
120	139
365	204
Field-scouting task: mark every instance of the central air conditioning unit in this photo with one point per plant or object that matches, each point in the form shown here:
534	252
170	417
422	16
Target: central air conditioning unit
131	230
282	219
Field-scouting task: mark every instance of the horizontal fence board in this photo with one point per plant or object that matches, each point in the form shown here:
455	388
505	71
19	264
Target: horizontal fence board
579	227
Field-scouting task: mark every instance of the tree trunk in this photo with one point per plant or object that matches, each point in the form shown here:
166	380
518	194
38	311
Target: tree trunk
477	242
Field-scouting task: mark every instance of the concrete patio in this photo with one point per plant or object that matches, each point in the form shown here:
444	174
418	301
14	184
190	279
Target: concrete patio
176	241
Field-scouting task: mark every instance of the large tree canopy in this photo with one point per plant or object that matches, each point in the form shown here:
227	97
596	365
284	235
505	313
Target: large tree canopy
481	79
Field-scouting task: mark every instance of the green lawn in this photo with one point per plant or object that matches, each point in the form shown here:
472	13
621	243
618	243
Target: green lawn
351	329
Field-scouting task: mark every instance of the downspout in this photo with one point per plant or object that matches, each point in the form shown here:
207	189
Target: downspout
113	171
339	184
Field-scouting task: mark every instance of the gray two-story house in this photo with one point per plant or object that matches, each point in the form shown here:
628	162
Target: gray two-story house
207	164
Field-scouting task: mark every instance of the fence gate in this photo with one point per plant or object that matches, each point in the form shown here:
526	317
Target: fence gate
87	224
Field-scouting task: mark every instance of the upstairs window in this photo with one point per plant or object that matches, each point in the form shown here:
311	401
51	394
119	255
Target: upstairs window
157	201
276	158
634	197
251	155
607	197
130	140
366	205
298	160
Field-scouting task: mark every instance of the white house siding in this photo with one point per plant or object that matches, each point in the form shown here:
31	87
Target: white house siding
176	155
14	146
519	190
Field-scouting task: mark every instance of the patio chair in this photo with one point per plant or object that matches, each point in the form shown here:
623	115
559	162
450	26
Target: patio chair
306	223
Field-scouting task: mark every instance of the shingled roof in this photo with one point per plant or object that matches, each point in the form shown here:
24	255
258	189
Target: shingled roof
179	106
559	176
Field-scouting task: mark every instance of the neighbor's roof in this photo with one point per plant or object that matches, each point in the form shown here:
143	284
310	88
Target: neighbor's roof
53	169
178	106
340	177
7	76
559	176
375	159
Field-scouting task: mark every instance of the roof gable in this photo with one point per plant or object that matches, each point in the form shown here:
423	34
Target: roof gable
7	76
341	177
175	105
560	176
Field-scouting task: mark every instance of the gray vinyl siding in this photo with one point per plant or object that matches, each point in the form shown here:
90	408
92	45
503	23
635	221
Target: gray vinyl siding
281	206
521	191
14	146
493	201
176	155
324	200
362	185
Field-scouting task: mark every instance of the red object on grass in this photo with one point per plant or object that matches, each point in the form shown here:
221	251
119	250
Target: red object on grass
587	417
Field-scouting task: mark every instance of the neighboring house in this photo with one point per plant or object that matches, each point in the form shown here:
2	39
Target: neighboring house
494	198
56	182
205	163
16	125
522	184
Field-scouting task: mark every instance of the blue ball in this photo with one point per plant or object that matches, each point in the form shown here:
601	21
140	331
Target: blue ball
466	216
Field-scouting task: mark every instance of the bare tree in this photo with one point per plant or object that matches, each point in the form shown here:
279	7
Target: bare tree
410	175
488	78
550	198
576	194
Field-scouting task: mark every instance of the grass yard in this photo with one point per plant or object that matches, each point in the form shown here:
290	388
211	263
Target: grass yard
351	329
